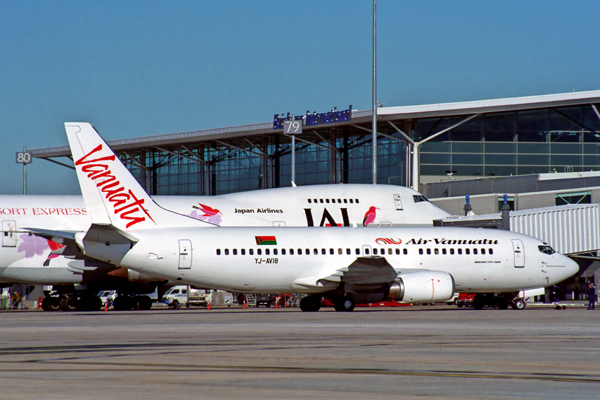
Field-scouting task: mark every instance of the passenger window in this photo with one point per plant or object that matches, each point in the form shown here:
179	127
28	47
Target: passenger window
482	251
451	251
398	252
390	252
351	201
375	251
475	251
357	251
339	200
345	200
356	201
316	252
283	252
348	251
243	252
309	201
320	200
327	201
443	251
367	251
459	251
490	251
307	251
421	251
275	252
218	252
340	251
226	252
235	252
405	251
428	251
267	252
291	252
332	252
251	252
467	251
258	252
436	251
323	251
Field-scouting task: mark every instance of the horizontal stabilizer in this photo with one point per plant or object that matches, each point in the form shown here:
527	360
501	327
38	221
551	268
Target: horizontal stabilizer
108	235
55	236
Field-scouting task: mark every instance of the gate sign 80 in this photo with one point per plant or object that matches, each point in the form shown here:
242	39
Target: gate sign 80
24	157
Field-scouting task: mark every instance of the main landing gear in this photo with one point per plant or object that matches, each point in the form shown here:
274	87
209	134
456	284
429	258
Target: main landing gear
340	303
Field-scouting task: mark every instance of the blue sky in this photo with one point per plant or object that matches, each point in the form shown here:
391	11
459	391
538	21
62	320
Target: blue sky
144	67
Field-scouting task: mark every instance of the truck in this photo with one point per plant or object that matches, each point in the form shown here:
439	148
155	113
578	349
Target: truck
186	295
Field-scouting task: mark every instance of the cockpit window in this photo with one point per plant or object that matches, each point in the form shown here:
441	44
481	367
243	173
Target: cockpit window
419	198
546	249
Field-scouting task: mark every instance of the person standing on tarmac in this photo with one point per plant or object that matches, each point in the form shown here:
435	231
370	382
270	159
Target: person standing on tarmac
591	297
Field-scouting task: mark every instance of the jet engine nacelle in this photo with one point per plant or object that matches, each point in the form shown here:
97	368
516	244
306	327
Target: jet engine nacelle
423	287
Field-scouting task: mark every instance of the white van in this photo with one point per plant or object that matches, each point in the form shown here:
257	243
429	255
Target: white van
180	295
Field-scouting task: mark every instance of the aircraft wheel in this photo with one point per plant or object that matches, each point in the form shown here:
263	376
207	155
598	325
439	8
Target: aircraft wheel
344	304
310	303
143	302
123	303
518	304
69	303
51	304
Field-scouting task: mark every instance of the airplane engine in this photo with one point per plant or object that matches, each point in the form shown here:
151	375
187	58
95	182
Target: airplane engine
423	287
133	276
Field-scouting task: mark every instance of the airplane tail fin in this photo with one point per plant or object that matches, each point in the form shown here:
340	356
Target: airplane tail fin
111	194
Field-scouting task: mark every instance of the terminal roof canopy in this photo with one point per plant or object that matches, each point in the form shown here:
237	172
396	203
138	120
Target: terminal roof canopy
360	123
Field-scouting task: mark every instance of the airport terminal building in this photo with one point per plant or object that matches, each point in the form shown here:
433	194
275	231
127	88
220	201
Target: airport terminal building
503	137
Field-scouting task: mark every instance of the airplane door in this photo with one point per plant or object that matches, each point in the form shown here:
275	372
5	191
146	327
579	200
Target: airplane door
185	254
366	250
519	253
398	202
9	234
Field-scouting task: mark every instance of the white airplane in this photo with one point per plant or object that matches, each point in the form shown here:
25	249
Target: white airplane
346	265
30	259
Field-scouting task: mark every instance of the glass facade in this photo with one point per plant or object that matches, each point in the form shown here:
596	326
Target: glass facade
561	139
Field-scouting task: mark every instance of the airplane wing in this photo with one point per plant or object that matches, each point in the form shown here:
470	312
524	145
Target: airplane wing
362	271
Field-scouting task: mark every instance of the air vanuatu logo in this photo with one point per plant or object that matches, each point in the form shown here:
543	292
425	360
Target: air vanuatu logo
388	241
125	203
265	240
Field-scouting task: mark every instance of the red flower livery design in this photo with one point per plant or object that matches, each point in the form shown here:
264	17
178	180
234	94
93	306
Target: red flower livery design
388	241
125	204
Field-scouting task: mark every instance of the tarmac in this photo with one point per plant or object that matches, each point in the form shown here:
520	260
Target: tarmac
422	352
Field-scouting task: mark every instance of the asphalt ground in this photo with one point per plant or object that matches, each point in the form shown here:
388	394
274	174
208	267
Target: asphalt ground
424	352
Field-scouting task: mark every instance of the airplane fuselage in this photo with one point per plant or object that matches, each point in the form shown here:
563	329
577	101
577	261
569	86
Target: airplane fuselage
299	259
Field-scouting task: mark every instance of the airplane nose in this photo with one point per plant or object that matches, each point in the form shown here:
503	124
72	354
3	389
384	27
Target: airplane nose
570	268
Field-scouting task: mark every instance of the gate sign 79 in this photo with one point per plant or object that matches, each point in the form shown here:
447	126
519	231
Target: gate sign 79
292	126
24	157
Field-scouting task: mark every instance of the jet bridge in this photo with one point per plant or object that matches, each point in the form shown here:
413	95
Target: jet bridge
572	229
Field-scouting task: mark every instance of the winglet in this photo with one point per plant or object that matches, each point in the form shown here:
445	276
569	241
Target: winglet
111	194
